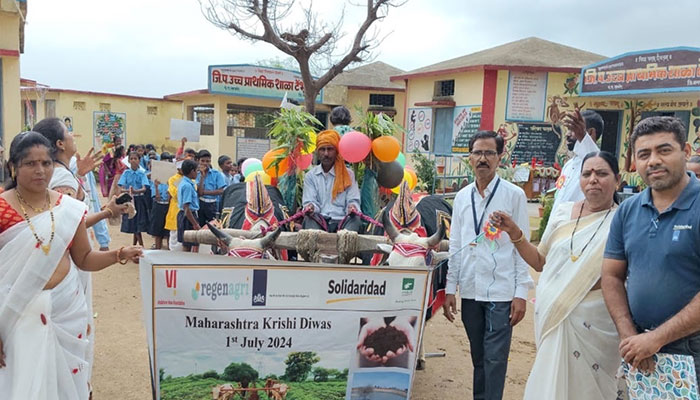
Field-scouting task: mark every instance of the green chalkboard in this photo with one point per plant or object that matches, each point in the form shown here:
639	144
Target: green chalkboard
536	140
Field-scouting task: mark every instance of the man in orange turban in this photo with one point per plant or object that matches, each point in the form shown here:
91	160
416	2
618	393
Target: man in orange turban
331	196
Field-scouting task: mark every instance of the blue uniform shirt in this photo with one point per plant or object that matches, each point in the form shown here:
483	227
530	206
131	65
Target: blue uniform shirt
133	179
187	194
162	190
144	162
662	253
214	180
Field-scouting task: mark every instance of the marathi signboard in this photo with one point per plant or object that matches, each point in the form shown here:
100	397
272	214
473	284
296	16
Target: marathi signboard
254	81
538	141
465	123
665	70
527	92
218	324
419	128
251	147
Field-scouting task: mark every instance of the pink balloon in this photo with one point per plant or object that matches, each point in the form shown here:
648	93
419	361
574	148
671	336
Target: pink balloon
354	146
304	161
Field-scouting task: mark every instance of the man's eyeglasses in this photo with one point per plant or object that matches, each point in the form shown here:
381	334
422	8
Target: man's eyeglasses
487	153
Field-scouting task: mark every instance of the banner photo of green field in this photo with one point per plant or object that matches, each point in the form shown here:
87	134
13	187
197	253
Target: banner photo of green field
226	328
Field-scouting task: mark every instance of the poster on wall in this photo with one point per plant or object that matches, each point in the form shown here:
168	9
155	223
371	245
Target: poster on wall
108	126
68	121
257	81
419	127
216	325
527	92
465	123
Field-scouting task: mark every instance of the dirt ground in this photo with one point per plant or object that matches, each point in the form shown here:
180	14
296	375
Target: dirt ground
121	354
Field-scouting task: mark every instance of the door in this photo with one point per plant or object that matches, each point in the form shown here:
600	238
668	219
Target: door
610	141
443	131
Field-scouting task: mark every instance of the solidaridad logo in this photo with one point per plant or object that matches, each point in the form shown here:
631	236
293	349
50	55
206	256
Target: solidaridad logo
215	290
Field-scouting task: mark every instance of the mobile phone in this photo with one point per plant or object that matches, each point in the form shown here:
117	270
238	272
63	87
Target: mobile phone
123	198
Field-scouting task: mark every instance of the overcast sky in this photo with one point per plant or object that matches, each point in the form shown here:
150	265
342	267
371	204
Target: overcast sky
159	47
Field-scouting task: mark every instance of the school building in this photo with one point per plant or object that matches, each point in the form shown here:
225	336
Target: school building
12	17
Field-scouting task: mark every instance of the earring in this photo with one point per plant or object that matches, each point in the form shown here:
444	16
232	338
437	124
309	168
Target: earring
13	174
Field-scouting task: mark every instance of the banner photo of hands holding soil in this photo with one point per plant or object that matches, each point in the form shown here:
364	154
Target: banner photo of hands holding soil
225	328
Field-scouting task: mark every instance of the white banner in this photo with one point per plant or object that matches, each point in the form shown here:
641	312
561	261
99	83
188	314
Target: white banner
527	92
221	325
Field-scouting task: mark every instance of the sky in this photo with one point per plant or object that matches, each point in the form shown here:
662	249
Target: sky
159	47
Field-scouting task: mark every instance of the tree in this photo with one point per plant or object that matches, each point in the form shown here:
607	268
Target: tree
343	376
161	374
211	374
299	365
310	42
321	374
242	373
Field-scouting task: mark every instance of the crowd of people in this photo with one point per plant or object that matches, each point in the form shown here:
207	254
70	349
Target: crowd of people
606	291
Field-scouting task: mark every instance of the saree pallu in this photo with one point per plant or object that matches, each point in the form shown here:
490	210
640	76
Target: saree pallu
577	343
43	331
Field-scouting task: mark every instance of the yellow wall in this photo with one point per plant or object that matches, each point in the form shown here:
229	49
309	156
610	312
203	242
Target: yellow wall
360	98
10	108
141	127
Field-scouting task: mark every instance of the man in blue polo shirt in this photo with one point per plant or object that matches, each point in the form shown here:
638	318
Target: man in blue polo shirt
210	185
651	269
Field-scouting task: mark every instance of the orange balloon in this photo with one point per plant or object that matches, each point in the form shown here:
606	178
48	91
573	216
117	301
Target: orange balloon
386	148
278	170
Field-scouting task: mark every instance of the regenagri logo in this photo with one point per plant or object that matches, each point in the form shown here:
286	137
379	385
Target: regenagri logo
215	290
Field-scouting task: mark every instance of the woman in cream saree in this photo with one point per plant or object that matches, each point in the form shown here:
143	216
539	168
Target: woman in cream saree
577	343
43	310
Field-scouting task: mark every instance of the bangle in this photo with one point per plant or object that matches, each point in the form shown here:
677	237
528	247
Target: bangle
520	239
109	210
119	256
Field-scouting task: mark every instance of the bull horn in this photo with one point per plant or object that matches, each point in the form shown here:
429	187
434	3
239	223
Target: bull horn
269	240
389	227
225	237
435	239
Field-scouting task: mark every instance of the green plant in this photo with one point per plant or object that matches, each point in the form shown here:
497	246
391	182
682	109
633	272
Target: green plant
426	171
376	125
546	202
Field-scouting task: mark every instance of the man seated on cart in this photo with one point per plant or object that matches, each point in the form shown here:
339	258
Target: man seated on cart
331	197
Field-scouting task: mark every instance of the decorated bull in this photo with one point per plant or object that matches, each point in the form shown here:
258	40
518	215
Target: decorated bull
245	248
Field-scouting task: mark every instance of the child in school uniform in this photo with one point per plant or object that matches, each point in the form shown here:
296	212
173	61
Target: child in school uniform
135	182
188	202
159	209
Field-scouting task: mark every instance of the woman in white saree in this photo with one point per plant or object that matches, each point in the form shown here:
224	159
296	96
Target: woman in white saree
43	310
577	343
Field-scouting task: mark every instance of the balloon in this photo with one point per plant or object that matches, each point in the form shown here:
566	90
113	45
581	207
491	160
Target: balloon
266	179
401	159
304	161
255	165
312	146
245	164
389	174
413	175
386	148
354	146
406	178
279	169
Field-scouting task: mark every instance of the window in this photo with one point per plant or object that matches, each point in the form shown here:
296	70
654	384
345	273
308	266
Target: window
105	107
444	88
381	100
50	108
152	110
79	105
249	122
203	114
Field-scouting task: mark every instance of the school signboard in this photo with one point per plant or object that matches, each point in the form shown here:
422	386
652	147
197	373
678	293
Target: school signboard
220	325
256	81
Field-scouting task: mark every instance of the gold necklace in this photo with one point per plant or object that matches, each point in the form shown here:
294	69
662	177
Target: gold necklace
36	210
571	244
39	242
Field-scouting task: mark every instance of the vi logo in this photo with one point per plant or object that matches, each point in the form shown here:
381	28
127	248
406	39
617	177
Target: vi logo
171	280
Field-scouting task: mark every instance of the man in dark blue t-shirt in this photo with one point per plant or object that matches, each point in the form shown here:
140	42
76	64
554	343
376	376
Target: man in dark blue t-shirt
651	269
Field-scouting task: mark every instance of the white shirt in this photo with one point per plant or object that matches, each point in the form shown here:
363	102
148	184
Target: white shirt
318	189
570	177
481	273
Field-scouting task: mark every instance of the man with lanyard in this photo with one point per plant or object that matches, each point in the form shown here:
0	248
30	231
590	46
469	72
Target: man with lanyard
583	130
210	186
493	279
650	278
331	197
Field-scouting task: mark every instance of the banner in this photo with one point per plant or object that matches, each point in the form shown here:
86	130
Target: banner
218	326
419	128
108	126
465	123
256	81
652	71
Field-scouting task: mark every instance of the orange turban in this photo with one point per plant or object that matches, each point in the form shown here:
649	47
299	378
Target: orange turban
342	177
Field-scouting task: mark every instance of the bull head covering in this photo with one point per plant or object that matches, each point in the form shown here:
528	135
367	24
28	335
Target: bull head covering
403	213
259	205
342	176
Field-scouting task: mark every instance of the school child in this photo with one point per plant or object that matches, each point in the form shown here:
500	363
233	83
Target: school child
134	181
210	186
159	210
188	202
